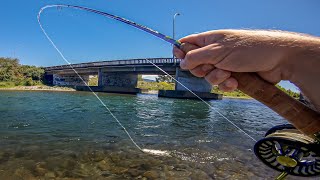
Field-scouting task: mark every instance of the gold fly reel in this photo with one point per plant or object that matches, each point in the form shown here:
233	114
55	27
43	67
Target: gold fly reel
287	150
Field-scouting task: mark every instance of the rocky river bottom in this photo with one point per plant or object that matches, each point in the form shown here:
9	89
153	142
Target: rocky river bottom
69	135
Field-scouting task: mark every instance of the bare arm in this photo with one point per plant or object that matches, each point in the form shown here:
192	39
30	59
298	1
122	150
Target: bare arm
274	55
306	69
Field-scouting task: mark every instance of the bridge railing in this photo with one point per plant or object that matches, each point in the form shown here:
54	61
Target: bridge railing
146	61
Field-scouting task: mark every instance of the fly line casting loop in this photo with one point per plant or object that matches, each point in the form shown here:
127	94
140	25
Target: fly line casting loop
146	29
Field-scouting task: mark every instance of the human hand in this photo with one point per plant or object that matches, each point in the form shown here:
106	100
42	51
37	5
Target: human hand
224	51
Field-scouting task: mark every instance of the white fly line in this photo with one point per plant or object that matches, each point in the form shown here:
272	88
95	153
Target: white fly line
149	151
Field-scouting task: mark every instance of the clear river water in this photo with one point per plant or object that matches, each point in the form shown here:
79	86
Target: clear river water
70	135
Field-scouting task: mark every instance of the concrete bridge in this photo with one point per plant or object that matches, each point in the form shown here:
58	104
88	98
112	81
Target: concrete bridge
121	76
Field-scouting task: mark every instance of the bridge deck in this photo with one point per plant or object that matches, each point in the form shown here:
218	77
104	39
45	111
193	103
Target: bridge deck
118	63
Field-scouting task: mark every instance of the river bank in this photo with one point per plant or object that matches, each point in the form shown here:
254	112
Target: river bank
59	88
37	88
235	97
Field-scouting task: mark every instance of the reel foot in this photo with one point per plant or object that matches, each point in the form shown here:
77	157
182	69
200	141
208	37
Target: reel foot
282	176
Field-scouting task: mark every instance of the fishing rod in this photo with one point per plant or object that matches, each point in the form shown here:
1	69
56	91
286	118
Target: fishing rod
291	149
138	26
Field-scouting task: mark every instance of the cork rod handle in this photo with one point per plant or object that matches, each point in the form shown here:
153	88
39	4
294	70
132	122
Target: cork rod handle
299	115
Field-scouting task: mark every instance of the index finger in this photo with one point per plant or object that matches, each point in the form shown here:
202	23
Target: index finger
204	39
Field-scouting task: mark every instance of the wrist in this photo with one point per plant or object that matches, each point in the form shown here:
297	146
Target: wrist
305	72
304	61
300	55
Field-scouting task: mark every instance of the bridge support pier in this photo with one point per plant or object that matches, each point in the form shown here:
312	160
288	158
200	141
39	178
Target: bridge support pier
48	78
117	82
198	85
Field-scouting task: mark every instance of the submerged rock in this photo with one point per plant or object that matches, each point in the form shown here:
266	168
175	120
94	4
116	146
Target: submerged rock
118	170
50	175
4	157
151	174
68	164
54	162
61	173
1	155
40	171
104	165
134	172
198	174
137	163
115	158
23	173
97	156
85	170
106	174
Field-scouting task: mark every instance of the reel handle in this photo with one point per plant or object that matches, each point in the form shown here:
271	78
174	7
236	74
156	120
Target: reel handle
299	115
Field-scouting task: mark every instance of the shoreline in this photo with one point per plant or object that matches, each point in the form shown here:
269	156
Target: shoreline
233	97
37	88
67	89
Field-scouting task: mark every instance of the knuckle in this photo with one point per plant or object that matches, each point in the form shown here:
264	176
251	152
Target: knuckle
188	60
222	74
195	72
198	73
189	56
217	76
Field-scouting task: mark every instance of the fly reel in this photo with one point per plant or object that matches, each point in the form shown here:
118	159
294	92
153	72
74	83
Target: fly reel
287	150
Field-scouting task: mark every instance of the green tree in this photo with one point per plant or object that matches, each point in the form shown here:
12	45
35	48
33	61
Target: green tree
33	72
164	78
289	92
9	69
11	72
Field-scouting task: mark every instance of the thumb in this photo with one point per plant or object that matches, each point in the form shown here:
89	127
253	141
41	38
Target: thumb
178	53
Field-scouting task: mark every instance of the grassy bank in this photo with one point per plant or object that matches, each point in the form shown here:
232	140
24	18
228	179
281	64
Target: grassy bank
155	85
170	86
215	89
37	88
233	94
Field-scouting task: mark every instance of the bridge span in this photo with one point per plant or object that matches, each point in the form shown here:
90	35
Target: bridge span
138	66
121	76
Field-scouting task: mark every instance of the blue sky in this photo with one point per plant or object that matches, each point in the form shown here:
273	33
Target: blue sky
86	37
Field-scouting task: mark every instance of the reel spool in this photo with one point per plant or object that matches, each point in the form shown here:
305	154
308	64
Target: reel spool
287	150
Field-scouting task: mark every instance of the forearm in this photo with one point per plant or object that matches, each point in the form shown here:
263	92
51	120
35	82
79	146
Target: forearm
306	69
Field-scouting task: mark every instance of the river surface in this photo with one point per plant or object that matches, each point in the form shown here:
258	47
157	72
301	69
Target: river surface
70	135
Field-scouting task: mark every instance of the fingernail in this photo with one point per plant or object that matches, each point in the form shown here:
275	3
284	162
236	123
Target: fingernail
206	67
228	84
183	64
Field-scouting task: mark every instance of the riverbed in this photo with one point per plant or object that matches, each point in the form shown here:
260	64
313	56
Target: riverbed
70	135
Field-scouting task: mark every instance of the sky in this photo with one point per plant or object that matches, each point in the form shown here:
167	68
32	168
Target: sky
84	37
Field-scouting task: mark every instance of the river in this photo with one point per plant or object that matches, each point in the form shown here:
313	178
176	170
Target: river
71	135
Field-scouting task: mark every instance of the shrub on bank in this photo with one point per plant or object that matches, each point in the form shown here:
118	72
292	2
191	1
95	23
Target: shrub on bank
155	85
14	74
7	84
